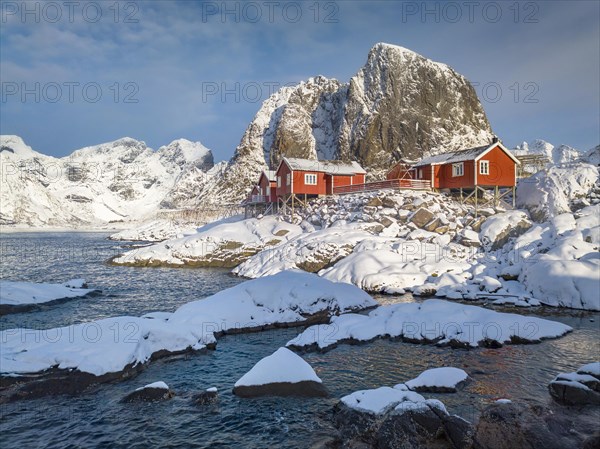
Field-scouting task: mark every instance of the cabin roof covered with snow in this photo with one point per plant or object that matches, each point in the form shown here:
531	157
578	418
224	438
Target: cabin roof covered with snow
470	154
330	167
271	175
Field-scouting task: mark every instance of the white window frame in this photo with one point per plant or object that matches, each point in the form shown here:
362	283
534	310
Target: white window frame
420	174
310	179
268	193
279	181
288	179
482	164
458	169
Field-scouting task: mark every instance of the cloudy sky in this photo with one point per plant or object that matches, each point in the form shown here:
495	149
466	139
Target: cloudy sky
78	75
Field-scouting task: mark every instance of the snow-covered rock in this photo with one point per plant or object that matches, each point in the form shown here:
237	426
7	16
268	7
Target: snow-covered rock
310	252
224	243
156	391
439	380
383	266
578	388
381	400
283	373
393	417
552	192
14	296
433	321
496	230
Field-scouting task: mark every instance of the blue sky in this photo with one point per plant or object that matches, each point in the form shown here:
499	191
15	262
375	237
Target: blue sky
161	70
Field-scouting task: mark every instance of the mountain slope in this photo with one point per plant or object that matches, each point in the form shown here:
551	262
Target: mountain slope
122	180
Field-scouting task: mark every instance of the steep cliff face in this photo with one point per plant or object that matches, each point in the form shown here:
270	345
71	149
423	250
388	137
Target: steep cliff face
399	104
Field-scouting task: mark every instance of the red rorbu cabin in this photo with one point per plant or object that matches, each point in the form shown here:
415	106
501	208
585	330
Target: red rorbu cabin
310	178
486	166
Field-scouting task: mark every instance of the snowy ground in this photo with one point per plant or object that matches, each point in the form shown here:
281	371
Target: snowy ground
18	294
112	344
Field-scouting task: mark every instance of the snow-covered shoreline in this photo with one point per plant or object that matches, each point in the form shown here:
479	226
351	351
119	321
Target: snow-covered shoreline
16	296
118	347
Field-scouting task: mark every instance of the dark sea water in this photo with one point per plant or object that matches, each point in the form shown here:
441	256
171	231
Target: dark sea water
98	419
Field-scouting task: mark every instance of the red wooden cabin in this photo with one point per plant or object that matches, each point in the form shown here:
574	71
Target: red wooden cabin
313	178
486	166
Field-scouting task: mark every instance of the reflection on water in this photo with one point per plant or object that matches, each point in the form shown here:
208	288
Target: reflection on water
97	419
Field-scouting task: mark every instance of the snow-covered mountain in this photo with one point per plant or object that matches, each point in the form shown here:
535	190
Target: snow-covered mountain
122	180
556	155
400	104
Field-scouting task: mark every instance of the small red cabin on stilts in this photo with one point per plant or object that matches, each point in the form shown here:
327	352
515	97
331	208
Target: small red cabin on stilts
300	179
490	166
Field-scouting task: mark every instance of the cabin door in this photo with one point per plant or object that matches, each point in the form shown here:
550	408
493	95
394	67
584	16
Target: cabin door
329	184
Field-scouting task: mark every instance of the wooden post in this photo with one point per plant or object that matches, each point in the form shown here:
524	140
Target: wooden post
293	206
514	195
461	195
476	195
496	196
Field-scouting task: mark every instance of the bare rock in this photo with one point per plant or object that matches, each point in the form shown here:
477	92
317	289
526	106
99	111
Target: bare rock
421	217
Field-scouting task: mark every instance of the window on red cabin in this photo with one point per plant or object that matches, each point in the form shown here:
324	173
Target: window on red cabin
279	181
310	179
458	169
484	167
288	179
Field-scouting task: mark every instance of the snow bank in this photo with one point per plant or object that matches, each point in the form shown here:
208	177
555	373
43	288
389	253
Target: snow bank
434	321
224	244
281	366
113	344
29	293
438	379
565	251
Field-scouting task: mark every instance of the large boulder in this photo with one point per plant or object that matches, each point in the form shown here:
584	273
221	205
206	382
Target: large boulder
283	373
578	388
397	418
498	229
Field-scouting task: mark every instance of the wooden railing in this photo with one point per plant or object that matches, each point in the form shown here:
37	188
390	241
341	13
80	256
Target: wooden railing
259	199
414	184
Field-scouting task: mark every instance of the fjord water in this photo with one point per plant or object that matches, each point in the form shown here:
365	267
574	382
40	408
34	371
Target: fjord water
98	419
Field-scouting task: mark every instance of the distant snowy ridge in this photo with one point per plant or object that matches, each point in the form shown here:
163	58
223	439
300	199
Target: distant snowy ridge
556	154
116	181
